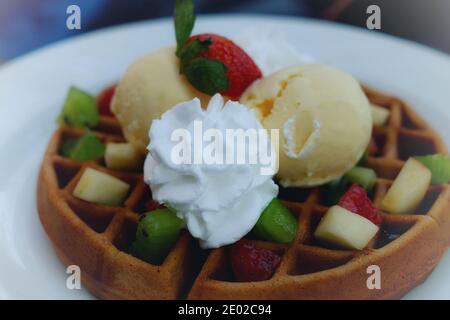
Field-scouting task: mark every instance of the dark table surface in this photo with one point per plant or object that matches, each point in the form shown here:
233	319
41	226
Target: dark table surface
29	24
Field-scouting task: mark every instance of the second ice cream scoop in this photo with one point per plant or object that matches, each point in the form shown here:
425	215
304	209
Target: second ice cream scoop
324	120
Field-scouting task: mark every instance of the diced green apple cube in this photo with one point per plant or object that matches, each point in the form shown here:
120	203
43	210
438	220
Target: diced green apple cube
380	115
98	187
408	189
123	156
346	229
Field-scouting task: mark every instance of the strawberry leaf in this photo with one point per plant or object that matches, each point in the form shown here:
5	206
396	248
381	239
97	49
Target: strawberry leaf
184	20
207	75
192	50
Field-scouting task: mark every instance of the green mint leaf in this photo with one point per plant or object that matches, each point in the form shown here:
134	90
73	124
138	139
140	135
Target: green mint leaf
184	20
207	75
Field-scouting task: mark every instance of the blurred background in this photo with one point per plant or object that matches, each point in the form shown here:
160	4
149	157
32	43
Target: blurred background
29	24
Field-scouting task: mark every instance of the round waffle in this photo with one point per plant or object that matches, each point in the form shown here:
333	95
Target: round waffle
97	237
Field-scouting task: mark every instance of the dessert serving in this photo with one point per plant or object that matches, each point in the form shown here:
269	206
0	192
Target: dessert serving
346	179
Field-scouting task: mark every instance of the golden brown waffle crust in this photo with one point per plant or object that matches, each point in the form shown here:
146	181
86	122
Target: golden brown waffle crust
91	236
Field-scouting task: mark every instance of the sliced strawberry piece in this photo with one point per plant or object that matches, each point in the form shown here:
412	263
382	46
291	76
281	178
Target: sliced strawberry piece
151	205
251	263
104	101
357	201
241	69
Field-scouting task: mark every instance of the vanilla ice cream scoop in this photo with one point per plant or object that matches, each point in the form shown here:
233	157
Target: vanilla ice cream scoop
324	120
150	86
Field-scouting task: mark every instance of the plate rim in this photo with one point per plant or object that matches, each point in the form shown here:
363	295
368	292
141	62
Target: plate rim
204	19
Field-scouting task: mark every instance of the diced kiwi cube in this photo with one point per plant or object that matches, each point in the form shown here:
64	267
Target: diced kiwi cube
276	223
156	233
79	110
365	177
88	147
439	165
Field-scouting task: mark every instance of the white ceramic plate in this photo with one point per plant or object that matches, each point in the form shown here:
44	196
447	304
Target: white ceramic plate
32	89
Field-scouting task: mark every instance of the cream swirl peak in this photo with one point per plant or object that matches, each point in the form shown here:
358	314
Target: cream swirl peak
219	201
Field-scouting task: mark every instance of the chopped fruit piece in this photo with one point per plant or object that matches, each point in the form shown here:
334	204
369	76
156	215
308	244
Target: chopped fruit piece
251	263
380	115
123	156
88	147
365	177
276	223
439	165
372	149
156	233
151	205
99	187
68	146
341	227
408	189
80	110
104	101
334	190
356	200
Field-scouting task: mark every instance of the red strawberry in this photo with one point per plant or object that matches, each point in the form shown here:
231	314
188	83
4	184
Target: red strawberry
211	63
151	205
357	201
251	263
241	69
104	101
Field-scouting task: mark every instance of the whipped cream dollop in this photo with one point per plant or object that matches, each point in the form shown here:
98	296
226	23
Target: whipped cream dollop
270	49
220	203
